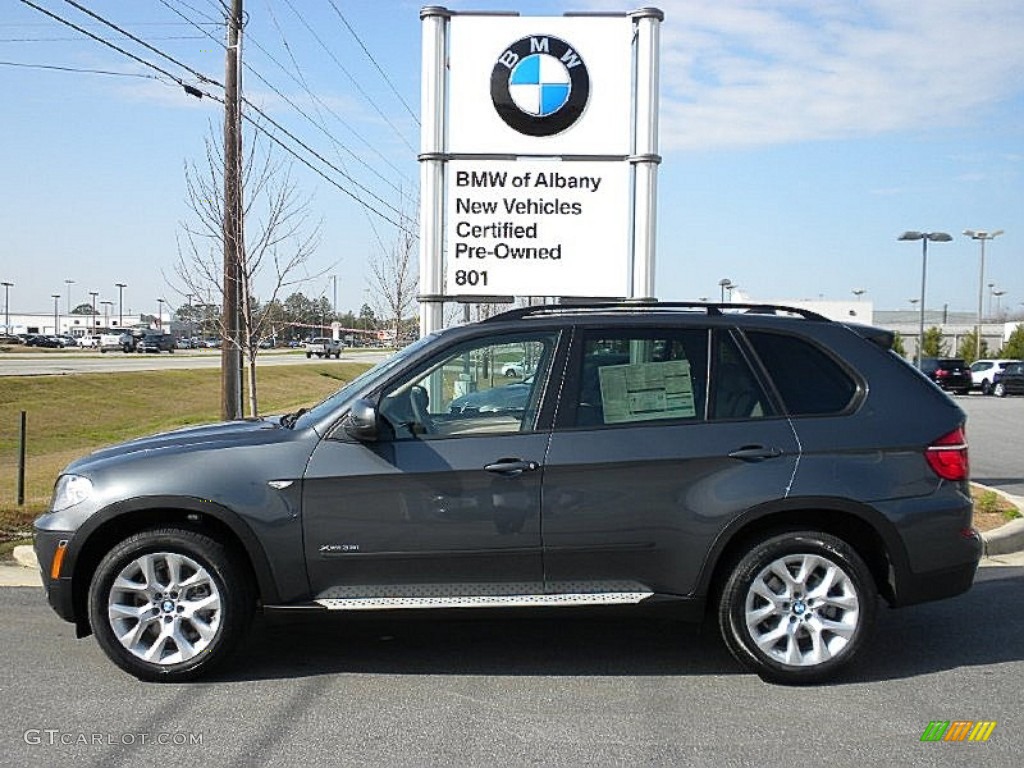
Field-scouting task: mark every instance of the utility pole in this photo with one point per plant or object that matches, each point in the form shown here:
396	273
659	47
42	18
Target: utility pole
230	349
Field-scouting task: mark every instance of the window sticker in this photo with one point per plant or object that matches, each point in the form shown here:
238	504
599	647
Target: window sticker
647	391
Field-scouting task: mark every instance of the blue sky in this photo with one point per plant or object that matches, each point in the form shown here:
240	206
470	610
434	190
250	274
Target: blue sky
800	138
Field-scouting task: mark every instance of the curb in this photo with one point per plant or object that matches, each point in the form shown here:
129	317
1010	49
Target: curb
1009	537
25	556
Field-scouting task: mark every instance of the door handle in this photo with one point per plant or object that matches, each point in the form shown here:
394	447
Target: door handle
511	467
755	453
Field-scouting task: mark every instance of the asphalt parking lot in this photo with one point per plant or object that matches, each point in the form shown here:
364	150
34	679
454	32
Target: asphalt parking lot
541	692
995	430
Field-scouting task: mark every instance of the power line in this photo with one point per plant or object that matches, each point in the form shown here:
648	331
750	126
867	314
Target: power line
370	220
210	20
191	90
76	69
195	24
199	92
78	39
134	24
255	124
318	156
142	42
373	61
351	78
301	81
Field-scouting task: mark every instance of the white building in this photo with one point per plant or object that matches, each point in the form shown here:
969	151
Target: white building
49	324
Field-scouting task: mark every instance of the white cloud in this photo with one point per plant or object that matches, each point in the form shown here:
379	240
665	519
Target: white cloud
756	72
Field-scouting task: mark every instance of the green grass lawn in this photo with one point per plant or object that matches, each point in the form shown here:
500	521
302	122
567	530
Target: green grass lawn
70	416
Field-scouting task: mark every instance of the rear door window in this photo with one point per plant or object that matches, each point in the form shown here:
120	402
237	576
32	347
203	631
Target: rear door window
736	392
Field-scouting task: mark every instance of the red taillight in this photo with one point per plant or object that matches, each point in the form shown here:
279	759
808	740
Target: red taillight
941	373
947	456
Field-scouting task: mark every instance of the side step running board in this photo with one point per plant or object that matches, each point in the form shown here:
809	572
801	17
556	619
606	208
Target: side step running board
482	601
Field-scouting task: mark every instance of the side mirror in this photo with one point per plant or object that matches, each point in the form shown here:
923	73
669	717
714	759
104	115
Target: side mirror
362	421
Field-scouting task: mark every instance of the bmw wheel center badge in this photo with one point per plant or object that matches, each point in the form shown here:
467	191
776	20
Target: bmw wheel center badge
540	85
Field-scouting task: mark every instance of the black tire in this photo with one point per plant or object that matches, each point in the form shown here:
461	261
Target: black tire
309	355
999	389
814	648
192	632
986	387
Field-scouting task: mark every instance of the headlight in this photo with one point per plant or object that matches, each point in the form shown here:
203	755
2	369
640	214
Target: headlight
70	490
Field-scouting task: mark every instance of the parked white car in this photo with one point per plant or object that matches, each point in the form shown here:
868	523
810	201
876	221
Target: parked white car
515	370
982	372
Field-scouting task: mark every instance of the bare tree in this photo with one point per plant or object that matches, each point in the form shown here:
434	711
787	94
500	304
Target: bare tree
393	277
278	241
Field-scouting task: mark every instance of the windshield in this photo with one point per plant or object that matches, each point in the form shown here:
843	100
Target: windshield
359	384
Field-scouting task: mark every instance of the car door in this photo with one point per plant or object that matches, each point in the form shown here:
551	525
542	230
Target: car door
444	508
648	462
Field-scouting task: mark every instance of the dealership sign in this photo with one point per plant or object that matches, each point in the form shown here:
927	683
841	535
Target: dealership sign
529	228
540	85
538	156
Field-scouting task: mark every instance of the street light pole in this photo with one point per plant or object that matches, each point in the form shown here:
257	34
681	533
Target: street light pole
56	311
106	313
924	237
724	283
982	236
7	307
858	292
69	281
120	303
94	294
999	303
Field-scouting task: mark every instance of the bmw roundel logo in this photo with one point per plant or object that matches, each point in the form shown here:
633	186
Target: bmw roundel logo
540	85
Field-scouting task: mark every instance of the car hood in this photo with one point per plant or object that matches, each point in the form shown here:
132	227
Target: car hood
211	436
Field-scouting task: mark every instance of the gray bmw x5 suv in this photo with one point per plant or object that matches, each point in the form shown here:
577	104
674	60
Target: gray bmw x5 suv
766	468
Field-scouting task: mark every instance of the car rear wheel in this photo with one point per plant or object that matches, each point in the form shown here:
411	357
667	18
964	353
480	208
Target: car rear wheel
986	387
797	607
168	605
999	390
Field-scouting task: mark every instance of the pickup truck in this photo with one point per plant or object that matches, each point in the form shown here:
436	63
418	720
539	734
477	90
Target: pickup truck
117	338
322	346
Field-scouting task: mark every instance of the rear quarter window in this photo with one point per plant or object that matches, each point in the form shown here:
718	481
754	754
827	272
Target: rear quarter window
808	379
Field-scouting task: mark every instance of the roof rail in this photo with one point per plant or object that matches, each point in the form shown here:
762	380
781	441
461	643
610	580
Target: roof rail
711	308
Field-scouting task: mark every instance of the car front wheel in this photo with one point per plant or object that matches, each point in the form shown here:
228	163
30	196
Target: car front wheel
797	607
168	605
986	387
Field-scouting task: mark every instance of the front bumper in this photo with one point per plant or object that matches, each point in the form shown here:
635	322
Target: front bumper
58	590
